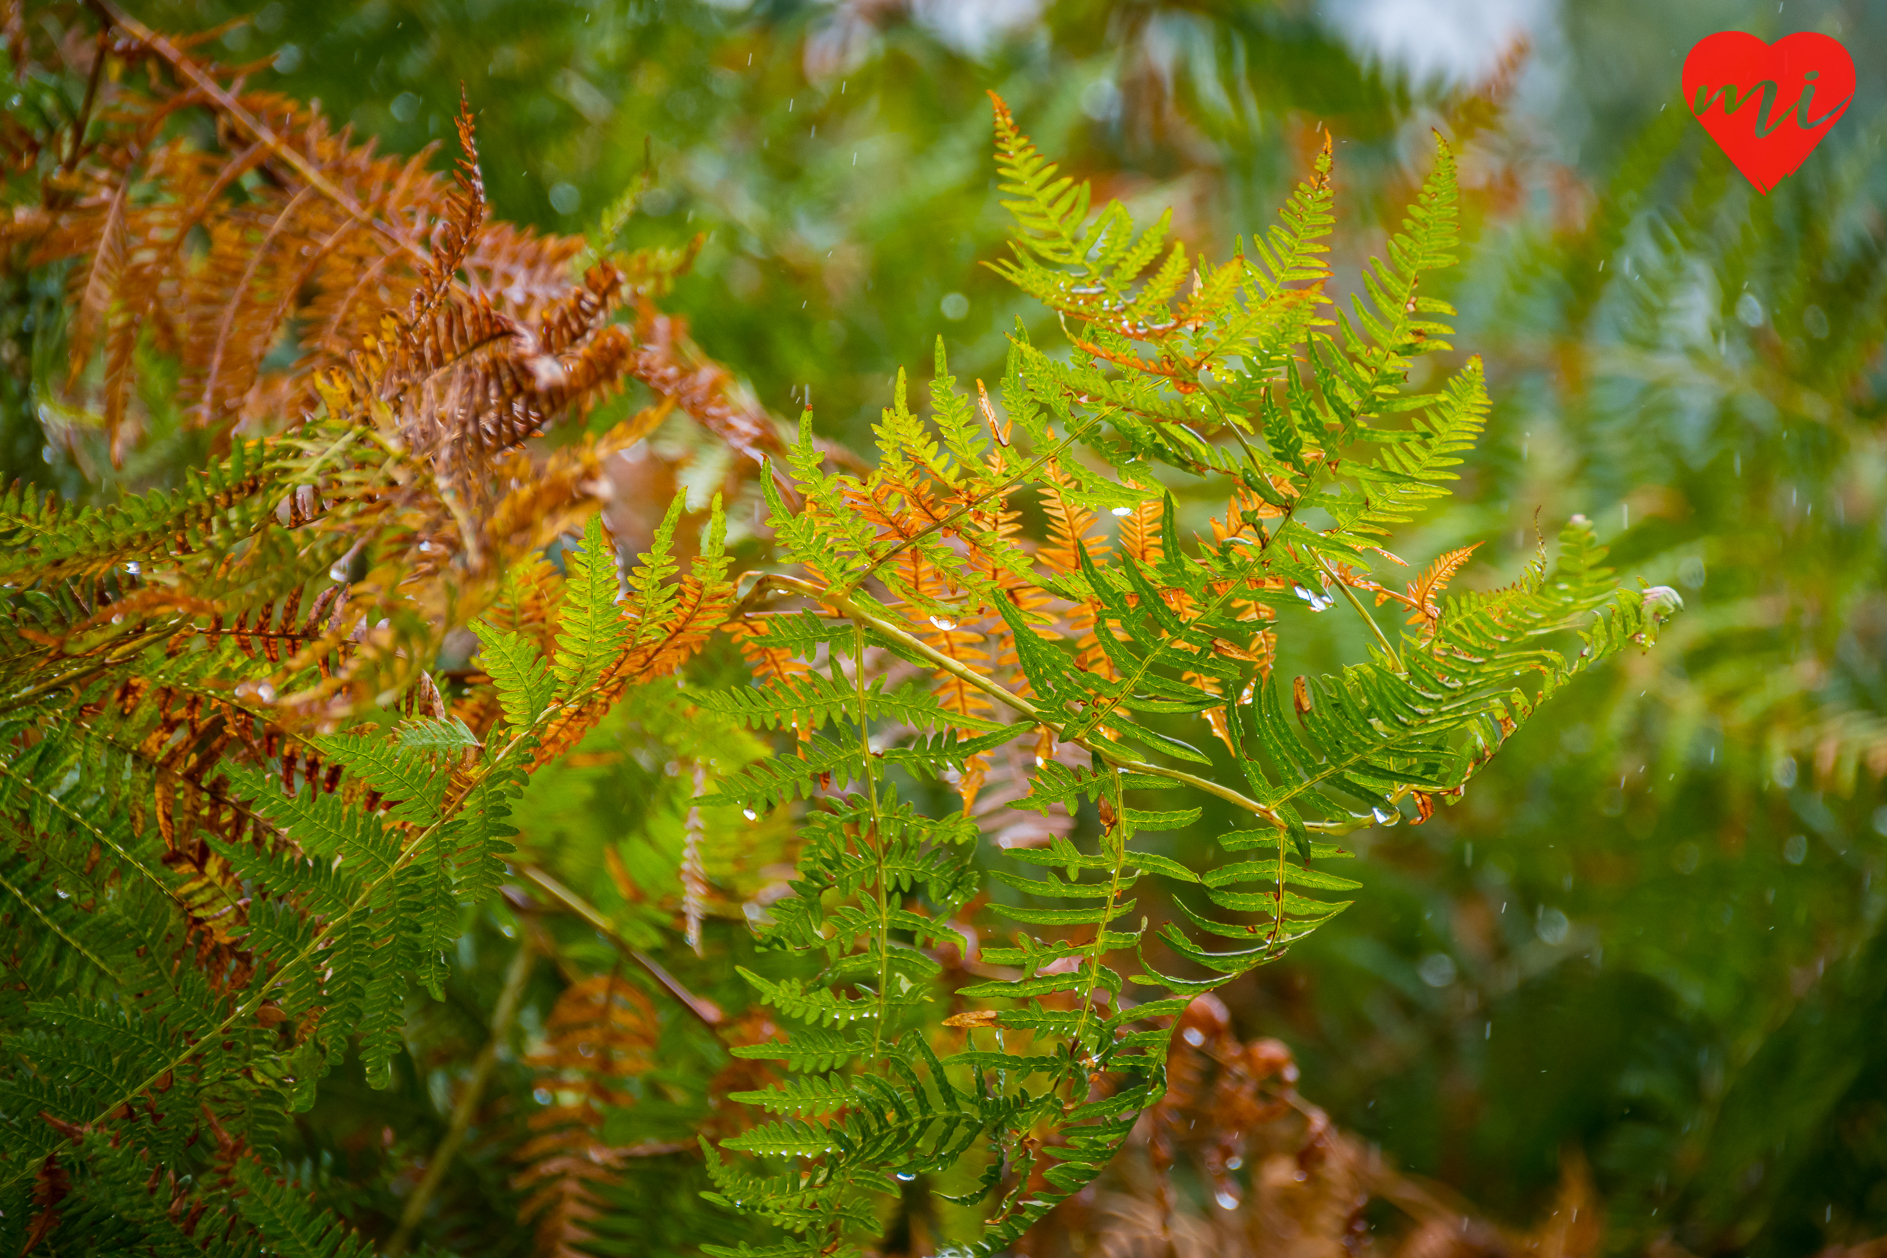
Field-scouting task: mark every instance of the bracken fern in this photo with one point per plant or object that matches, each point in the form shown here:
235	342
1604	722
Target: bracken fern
1103	656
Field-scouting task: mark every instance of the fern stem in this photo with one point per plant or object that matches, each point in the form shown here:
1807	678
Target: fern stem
1115	837
877	839
98	834
467	1105
971	677
68	940
705	1010
1382	639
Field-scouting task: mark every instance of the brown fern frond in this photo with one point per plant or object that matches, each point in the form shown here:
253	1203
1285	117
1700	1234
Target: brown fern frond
670	364
312	242
600	1033
458	229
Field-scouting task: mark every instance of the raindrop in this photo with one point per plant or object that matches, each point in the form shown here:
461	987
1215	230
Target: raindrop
1227	1200
1194	1036
265	692
943	624
750	814
904	1177
133	568
1234	1162
1386	816
338	572
1123	510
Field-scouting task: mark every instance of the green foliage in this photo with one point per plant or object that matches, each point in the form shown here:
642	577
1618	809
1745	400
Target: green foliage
1040	1075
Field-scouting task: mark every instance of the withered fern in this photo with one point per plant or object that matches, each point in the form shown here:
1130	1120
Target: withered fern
220	877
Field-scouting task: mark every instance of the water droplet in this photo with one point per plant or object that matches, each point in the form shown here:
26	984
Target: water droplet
904	1177
265	692
750	814
1194	1036
1386	816
1227	1200
337	573
133	568
1123	510
1234	1162
943	624
425	547
1315	601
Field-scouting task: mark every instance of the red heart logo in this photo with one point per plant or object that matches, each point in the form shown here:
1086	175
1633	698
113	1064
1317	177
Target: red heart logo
1768	105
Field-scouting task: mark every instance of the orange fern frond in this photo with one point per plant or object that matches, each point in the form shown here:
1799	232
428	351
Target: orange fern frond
1140	533
601	1033
1423	590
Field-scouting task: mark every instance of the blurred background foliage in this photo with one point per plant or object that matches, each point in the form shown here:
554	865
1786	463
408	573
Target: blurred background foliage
1652	939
